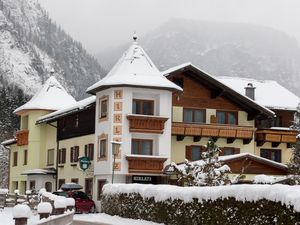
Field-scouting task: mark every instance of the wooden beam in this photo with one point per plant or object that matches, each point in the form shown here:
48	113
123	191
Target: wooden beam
179	137
230	140
260	143
196	138
275	144
246	141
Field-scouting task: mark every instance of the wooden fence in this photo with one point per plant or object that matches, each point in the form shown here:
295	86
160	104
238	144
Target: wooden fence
10	200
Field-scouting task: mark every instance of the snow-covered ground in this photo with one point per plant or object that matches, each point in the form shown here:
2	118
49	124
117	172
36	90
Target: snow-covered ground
6	218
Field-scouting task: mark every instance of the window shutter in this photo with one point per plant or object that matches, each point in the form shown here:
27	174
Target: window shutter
71	154
237	151
188	153
76	153
63	155
86	150
91	151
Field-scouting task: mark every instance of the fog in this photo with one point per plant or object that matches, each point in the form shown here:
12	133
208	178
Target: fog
99	24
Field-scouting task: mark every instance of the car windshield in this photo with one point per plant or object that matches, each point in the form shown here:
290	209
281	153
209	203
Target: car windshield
61	193
80	194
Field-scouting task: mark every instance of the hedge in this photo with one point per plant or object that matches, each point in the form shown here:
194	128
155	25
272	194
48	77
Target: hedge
225	211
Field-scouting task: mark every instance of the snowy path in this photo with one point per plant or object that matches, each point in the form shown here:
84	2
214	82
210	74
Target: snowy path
79	219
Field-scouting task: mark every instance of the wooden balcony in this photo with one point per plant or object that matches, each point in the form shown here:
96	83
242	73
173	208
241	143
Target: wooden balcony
276	136
231	132
22	137
145	164
146	124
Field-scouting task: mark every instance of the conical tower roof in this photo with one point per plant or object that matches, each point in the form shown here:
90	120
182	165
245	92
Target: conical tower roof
136	69
52	96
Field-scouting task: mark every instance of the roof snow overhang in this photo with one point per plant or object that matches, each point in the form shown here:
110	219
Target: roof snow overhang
220	89
9	142
73	109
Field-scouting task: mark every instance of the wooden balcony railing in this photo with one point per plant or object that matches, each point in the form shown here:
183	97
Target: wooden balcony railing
276	135
212	130
146	124
145	163
22	137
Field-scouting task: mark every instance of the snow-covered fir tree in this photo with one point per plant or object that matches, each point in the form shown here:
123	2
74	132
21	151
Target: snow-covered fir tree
294	164
208	171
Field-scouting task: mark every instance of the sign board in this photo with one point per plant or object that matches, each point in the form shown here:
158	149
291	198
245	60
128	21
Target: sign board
84	162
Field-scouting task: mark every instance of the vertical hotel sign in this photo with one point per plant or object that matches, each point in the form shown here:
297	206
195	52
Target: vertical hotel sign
117	124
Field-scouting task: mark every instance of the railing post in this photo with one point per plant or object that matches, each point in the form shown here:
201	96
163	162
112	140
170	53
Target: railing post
21	213
44	209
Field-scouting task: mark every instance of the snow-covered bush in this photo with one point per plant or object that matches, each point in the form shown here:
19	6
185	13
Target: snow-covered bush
226	205
208	171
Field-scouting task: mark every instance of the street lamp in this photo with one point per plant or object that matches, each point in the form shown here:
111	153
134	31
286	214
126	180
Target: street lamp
115	151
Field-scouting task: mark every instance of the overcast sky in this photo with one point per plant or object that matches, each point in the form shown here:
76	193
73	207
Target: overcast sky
99	24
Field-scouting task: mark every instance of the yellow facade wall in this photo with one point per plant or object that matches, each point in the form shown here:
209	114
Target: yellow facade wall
69	172
37	151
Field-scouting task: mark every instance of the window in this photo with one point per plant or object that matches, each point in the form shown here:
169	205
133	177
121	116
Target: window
62	156
15	159
103	110
89	151
24	122
143	107
141	146
50	157
74	180
229	151
15	185
74	154
193	116
272	154
61	182
100	187
102	148
32	185
25	157
227	117
194	152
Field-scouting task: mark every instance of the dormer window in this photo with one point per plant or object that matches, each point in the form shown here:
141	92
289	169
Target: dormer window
143	107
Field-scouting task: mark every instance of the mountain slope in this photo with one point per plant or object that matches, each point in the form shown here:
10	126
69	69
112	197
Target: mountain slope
222	49
31	45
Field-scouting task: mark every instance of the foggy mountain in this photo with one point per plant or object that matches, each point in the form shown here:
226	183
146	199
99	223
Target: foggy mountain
221	49
31	45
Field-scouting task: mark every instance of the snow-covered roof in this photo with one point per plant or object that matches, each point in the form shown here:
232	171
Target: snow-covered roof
38	172
68	109
242	98
267	92
134	68
228	158
52	96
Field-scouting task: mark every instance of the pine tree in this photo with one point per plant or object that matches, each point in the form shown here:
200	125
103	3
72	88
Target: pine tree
208	171
294	164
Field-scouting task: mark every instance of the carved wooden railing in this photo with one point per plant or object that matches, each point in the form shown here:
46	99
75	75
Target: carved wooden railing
273	135
146	124
145	164
210	130
22	137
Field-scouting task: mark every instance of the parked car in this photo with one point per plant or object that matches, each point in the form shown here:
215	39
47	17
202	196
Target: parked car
82	202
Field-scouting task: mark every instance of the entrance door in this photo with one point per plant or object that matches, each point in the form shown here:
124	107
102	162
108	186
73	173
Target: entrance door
89	187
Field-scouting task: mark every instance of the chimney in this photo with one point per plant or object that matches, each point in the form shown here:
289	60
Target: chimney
250	91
